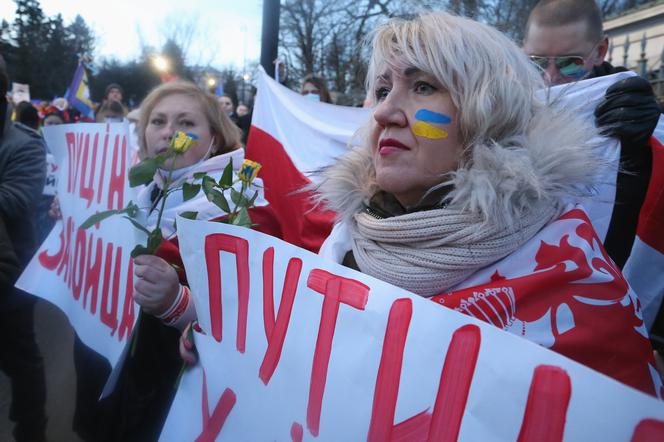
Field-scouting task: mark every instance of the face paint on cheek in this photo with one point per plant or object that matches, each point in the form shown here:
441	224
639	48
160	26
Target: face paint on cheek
423	128
432	117
426	130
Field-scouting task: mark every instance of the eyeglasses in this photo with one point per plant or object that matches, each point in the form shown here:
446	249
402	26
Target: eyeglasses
568	65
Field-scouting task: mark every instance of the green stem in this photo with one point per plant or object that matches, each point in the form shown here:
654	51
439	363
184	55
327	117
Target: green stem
167	183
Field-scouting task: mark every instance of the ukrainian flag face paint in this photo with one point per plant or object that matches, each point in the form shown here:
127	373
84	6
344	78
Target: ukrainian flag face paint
424	126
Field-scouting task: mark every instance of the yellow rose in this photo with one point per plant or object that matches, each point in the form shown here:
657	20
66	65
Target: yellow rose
248	171
182	142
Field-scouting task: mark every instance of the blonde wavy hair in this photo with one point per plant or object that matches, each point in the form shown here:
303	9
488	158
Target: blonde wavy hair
226	134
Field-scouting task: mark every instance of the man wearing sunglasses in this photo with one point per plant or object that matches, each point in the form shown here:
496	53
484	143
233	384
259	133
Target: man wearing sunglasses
565	39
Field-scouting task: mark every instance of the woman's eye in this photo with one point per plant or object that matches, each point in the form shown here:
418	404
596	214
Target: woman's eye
156	121
186	123
422	87
381	93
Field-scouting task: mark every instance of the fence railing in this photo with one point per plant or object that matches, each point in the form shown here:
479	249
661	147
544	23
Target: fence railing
654	73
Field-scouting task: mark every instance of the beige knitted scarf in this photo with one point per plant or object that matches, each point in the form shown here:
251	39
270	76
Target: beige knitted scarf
428	252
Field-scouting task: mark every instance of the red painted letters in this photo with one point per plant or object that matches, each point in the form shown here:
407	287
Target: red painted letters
337	290
546	409
214	244
276	332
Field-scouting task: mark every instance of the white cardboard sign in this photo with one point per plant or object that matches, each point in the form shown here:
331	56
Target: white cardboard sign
295	347
87	273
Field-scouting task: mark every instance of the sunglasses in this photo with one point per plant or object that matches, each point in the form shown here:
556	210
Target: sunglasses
568	65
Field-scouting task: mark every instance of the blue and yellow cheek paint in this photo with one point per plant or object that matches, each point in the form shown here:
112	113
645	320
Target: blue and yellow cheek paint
424	126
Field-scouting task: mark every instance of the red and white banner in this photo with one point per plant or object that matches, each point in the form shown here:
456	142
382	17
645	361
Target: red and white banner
295	347
88	273
645	267
294	137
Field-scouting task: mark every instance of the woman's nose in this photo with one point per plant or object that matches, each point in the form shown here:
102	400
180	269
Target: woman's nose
389	112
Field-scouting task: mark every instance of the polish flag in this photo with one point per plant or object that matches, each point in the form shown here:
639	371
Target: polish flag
292	136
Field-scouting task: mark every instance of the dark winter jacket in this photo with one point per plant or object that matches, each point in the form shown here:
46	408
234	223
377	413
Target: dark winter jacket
22	176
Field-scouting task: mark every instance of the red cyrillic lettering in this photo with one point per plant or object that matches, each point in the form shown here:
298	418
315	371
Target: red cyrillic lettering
50	262
78	266
389	371
336	290
86	185
276	332
110	317
546	409
92	272
296	432
64	262
454	384
214	244
117	180
648	430
212	424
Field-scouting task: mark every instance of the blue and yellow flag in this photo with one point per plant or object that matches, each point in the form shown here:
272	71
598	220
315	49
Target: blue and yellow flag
78	94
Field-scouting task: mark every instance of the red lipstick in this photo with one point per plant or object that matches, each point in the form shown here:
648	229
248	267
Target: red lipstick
388	146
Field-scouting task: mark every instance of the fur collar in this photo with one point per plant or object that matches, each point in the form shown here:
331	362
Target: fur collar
498	180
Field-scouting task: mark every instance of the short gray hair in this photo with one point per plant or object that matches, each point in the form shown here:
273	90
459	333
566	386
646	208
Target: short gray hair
490	80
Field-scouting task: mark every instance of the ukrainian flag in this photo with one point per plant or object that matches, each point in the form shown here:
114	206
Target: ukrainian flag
78	94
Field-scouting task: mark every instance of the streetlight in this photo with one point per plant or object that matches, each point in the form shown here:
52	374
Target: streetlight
161	63
211	82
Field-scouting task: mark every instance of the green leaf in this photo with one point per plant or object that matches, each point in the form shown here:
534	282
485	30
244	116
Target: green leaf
189	215
131	209
138	225
226	179
154	240
218	199
139	250
242	219
142	172
97	217
208	184
199	175
189	191
238	198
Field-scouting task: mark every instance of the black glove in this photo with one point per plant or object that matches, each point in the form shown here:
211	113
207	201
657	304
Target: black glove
629	111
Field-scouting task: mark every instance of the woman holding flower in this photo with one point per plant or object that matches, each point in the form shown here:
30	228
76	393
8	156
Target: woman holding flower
187	138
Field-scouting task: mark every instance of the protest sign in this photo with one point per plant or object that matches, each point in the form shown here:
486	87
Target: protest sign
295	347
20	92
88	273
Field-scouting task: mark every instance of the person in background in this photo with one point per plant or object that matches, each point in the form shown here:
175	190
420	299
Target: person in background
242	110
112	111
315	89
54	116
227	106
113	92
22	175
28	115
565	39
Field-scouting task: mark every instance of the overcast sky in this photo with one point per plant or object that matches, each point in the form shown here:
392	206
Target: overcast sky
121	24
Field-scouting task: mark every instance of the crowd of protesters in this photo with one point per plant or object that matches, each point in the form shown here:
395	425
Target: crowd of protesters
371	192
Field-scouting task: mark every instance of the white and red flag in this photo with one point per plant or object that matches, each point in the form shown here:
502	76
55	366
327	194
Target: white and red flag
292	138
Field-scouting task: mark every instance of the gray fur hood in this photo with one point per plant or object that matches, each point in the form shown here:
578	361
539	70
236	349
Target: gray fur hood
500	181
